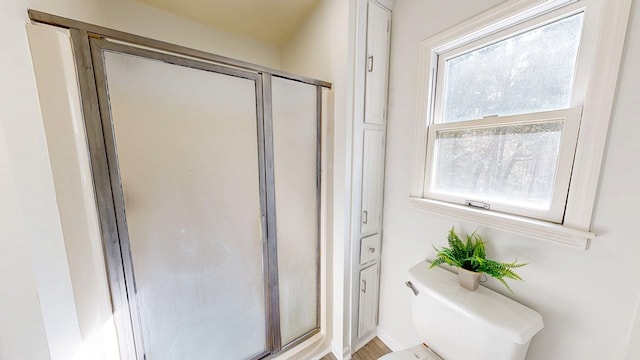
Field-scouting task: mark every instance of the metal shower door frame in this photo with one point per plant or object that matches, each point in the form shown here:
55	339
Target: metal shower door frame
89	43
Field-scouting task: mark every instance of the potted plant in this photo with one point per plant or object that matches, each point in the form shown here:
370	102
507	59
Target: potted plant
471	259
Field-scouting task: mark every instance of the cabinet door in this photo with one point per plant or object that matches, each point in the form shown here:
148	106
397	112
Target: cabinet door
378	26
372	176
368	310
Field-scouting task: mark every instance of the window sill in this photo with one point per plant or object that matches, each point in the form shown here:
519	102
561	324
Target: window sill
532	228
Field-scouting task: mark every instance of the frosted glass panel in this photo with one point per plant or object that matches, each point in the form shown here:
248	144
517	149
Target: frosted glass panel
511	164
295	148
530	72
187	149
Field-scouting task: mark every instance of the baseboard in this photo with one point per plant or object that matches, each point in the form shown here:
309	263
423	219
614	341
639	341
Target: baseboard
364	341
388	340
346	353
340	354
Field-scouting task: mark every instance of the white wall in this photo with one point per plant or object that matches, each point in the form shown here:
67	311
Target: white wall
321	49
318	48
588	299
144	20
31	230
140	19
22	333
88	11
634	340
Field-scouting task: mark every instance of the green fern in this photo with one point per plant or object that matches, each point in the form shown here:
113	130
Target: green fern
471	255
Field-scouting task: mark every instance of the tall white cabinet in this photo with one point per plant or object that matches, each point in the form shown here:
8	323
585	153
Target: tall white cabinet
368	172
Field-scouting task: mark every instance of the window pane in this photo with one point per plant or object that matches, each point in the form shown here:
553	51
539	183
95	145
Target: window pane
530	72
510	164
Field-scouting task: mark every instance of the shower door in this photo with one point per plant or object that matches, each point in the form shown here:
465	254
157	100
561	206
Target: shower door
193	252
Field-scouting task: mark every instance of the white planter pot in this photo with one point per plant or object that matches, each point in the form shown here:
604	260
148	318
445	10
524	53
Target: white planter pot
469	280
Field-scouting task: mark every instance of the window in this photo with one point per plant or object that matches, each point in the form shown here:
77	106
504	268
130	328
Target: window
482	149
499	129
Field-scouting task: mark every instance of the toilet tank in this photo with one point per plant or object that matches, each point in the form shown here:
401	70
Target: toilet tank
459	324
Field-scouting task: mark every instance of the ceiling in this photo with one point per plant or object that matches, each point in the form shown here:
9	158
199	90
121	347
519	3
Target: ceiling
271	21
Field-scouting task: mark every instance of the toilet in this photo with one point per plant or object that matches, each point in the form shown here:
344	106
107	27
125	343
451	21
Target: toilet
457	324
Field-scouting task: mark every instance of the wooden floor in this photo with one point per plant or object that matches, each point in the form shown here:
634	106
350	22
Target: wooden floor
372	351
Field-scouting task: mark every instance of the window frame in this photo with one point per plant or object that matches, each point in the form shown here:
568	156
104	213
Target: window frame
571	119
604	32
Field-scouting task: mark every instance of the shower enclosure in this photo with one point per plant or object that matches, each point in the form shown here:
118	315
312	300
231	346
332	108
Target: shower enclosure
207	179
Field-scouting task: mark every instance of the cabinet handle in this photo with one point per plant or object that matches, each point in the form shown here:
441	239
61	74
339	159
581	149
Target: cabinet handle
364	286
370	66
372	250
364	217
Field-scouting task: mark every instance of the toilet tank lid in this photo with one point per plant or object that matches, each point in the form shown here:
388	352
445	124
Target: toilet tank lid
495	312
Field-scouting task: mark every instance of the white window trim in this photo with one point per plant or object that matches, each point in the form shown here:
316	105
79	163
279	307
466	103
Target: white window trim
610	32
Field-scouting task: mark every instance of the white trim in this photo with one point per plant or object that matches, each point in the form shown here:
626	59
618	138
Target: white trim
598	104
314	347
501	17
364	340
340	354
532	228
356	142
335	350
423	100
51	54
508	13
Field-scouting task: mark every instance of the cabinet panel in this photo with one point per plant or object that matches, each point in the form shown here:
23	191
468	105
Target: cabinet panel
372	165
377	63
369	248
368	312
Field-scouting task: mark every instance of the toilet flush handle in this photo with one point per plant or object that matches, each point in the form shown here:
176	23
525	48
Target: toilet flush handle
412	287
